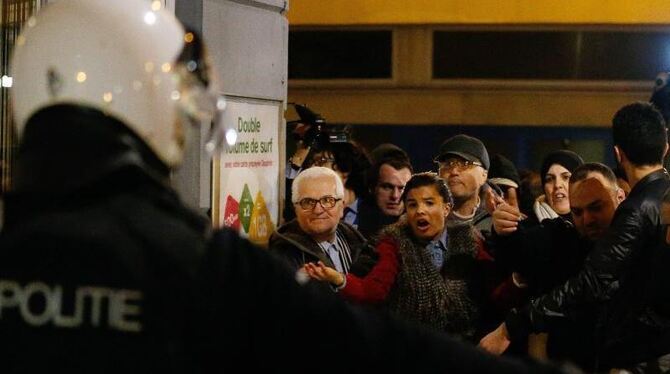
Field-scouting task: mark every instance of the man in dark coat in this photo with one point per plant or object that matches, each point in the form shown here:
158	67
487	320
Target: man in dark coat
613	272
391	169
543	256
317	233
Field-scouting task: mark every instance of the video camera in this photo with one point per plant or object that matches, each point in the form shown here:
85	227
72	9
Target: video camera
312	129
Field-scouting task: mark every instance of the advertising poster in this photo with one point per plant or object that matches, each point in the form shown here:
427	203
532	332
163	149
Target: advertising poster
248	195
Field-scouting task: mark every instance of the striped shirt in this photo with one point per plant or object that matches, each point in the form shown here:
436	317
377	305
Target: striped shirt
338	251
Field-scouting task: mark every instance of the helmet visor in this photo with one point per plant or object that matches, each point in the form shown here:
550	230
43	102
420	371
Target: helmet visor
198	101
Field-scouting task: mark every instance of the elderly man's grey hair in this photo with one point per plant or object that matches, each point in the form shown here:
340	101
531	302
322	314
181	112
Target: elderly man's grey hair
313	173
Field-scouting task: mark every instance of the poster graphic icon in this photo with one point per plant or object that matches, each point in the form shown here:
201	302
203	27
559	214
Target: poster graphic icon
231	217
261	221
247	171
246	207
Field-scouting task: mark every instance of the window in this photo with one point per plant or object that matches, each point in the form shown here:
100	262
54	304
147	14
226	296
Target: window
578	55
339	54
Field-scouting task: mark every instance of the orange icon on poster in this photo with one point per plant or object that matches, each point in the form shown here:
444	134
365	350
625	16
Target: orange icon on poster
261	223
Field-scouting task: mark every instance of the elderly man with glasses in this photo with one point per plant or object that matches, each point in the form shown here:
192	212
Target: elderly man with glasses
317	233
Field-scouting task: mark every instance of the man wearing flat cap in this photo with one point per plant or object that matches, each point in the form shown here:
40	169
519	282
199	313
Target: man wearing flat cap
464	162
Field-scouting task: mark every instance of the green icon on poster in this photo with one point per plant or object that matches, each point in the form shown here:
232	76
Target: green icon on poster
246	208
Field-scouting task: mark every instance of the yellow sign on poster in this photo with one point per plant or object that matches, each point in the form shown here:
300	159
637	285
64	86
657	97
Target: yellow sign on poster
261	222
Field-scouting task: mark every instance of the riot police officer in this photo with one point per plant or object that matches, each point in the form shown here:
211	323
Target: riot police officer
103	269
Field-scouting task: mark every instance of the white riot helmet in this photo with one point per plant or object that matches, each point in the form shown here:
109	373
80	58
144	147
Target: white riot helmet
117	56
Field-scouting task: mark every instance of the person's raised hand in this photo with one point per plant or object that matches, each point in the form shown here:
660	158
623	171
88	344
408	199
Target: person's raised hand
320	271
512	198
505	219
497	341
492	200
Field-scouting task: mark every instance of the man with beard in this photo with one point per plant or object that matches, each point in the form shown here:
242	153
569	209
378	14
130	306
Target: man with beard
464	162
545	255
614	272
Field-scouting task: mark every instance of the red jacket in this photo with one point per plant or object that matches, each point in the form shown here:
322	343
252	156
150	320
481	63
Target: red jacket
375	286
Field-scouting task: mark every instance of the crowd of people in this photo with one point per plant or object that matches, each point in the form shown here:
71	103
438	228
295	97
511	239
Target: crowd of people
377	266
569	273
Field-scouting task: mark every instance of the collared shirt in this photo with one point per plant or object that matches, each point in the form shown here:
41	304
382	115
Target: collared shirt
438	248
290	172
351	213
338	252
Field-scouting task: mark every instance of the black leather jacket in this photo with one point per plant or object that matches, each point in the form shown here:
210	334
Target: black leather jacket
611	278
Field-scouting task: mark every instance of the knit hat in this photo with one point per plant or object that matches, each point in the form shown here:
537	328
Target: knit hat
467	147
503	172
568	159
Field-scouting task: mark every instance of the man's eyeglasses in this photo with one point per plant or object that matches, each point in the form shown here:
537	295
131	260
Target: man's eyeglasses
327	202
458	164
322	160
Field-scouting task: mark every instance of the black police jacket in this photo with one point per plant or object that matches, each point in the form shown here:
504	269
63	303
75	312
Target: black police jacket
103	282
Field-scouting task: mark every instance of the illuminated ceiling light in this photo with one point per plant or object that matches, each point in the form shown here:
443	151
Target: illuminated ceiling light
150	18
81	77
231	137
221	103
7	81
156	5
166	67
107	97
